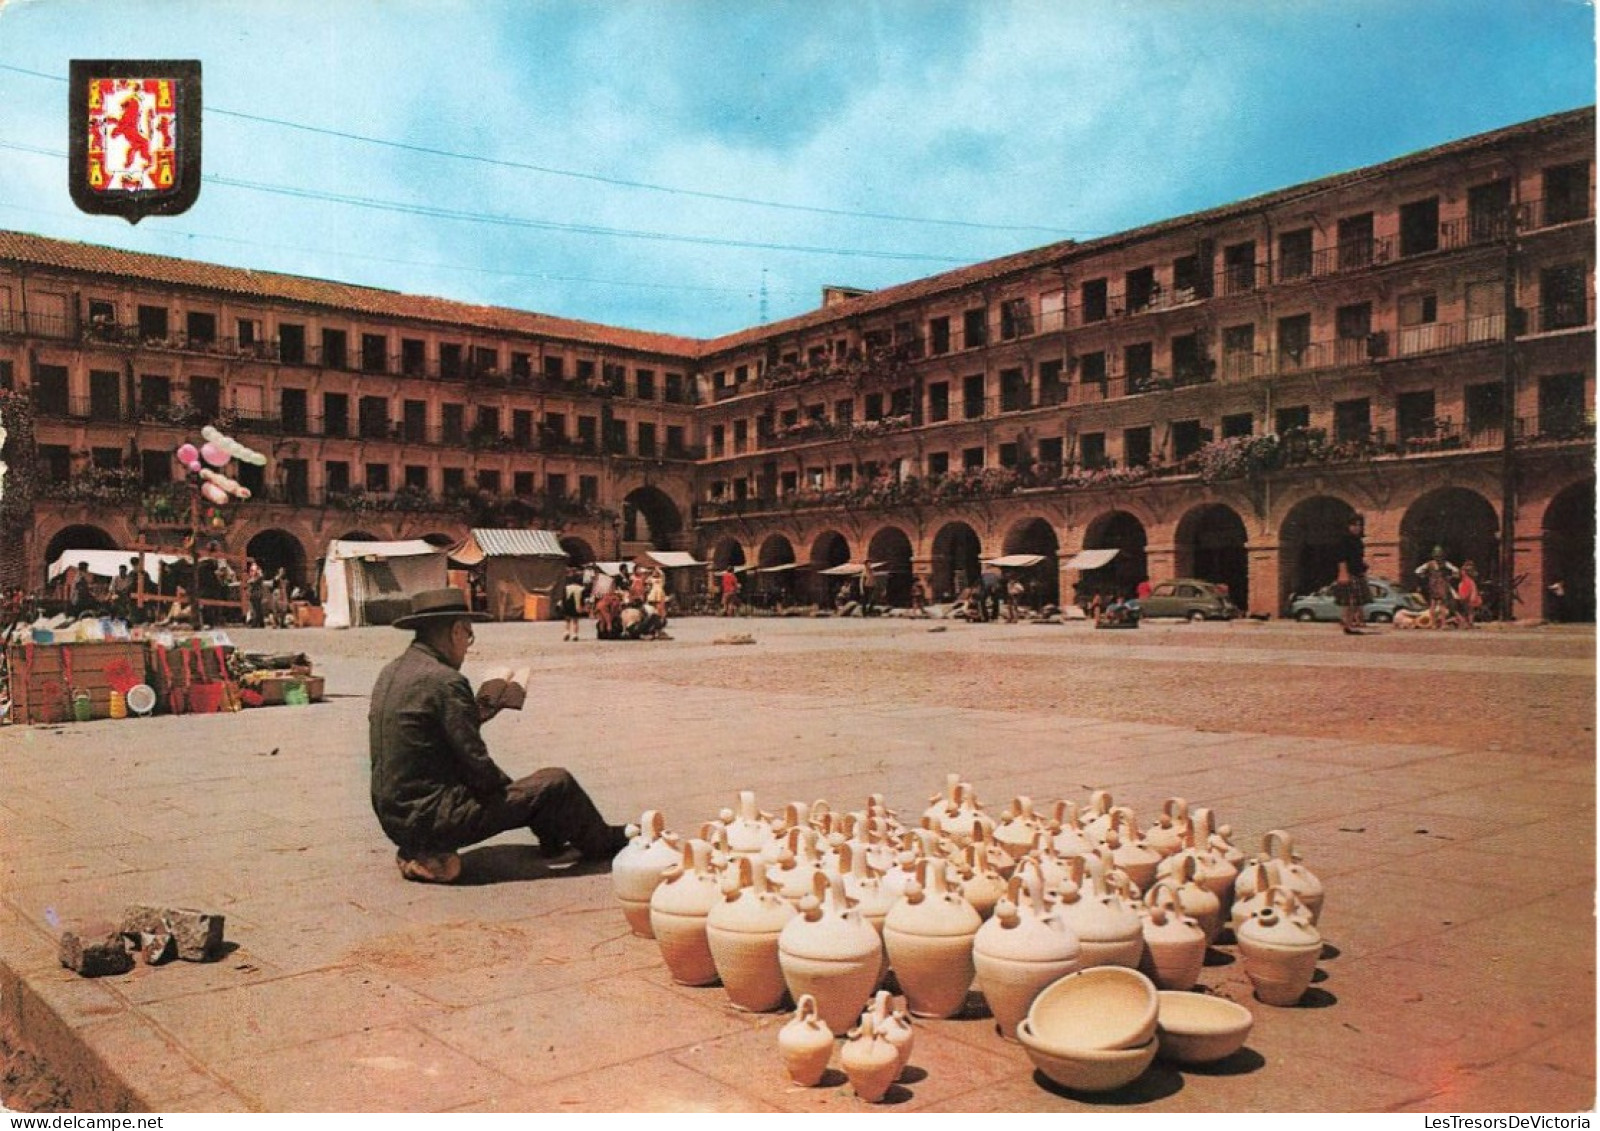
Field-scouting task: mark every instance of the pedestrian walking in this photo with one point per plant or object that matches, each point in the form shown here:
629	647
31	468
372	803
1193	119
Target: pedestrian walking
1352	575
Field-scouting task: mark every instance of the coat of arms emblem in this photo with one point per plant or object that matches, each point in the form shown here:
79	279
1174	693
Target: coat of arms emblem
135	136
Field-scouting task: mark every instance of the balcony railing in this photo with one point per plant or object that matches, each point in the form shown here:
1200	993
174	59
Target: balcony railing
1575	314
1534	215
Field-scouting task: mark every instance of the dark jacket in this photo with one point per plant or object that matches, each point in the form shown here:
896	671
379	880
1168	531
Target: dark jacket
429	763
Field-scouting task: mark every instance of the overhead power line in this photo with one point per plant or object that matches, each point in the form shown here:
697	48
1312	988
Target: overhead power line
601	178
472	269
437	212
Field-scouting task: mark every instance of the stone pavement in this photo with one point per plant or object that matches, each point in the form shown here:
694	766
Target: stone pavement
1460	913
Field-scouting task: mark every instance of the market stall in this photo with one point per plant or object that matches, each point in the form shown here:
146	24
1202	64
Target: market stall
521	570
372	582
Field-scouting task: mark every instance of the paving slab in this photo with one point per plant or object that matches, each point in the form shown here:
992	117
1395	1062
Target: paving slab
1460	971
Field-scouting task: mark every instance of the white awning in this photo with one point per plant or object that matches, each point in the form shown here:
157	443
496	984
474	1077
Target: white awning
1089	559
106	563
338	551
851	569
784	568
1015	561
672	559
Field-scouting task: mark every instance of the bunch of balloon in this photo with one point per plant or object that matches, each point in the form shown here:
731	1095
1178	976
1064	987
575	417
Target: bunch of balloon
206	465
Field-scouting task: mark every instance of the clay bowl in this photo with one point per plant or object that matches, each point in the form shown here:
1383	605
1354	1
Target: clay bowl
1198	1028
1103	1007
1086	1070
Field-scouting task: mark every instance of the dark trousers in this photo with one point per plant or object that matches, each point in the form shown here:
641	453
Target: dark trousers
548	803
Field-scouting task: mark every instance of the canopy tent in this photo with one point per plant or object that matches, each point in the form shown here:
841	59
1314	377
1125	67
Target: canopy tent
373	582
672	559
852	569
1089	559
516	564
784	568
1015	561
107	563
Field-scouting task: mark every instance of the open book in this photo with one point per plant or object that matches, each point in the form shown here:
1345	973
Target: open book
505	689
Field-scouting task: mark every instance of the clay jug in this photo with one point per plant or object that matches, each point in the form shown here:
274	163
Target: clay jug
1174	944
1098	817
981	885
806	1044
1278	846
894	1026
1110	933
864	887
1128	850
994	856
748	833
829	952
1212	868
1166	834
1280	948
636	870
1019	826
903	873
797	863
870	1061
742	930
941	803
1199	903
928	935
678	909
1066	831
1022	948
958	824
1250	890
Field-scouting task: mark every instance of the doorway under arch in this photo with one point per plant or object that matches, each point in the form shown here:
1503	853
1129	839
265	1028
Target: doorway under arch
1308	546
1569	555
273	550
828	549
956	565
1037	536
891	547
649	515
1120	577
81	536
1211	546
1458	521
579	552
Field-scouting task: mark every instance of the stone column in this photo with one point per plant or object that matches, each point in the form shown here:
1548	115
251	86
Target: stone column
1265	577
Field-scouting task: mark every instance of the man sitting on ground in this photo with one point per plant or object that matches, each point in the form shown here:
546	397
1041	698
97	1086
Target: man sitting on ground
434	787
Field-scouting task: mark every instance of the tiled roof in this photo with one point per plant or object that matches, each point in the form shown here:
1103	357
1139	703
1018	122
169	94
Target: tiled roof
1069	250
266	286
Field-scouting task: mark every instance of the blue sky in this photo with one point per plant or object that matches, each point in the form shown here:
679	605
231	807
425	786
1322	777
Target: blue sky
655	163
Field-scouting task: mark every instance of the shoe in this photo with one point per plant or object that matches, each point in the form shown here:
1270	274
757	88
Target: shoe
426	868
616	841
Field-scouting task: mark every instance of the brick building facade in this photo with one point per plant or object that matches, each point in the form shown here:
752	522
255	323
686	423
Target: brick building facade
1209	396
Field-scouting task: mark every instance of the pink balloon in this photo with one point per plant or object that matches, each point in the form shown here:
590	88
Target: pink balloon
187	454
214	493
213	455
195	466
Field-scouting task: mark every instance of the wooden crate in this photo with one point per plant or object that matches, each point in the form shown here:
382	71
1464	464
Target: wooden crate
41	691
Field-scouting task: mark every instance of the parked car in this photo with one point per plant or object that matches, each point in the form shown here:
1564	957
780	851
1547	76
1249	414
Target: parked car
1387	598
1190	598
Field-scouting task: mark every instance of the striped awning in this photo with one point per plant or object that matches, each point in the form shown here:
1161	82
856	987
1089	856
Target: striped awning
480	544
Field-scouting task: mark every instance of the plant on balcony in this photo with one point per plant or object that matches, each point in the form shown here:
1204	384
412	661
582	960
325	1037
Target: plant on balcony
21	459
166	504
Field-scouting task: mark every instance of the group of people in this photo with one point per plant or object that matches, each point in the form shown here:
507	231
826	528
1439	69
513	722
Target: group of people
1453	595
632	605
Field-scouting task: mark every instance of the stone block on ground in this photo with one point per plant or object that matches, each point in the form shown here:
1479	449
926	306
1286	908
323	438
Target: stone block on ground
198	934
95	955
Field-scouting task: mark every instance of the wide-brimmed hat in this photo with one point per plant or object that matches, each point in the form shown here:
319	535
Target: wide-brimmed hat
438	604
